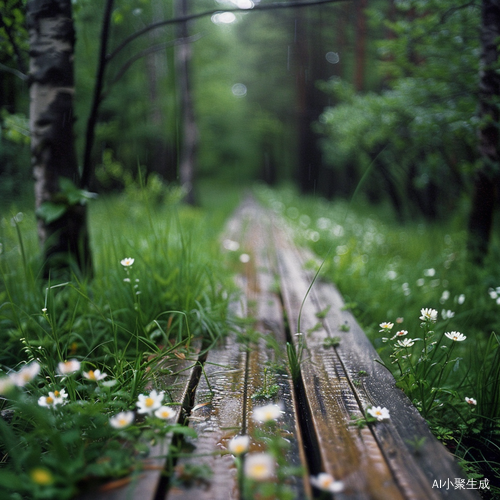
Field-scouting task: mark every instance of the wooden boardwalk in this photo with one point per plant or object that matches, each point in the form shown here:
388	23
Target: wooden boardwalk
338	379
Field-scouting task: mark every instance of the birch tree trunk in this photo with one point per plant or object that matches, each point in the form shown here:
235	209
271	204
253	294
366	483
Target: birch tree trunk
62	227
487	175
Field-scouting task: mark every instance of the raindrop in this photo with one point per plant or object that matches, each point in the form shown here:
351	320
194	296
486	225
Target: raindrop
223	18
244	4
239	90
332	57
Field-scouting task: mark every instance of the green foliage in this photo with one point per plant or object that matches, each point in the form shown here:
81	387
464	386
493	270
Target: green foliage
416	139
68	196
15	128
269	390
134	322
51	450
13	34
14	156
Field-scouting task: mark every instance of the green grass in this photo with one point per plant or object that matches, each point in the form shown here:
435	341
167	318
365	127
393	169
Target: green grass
123	322
388	272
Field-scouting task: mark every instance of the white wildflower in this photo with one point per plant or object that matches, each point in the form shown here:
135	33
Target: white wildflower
239	445
379	413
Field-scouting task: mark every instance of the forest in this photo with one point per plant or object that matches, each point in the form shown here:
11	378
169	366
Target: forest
131	129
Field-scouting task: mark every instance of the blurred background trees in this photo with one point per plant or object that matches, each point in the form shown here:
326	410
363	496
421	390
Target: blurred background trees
373	97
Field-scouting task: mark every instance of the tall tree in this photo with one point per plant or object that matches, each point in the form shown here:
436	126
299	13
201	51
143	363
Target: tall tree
189	130
61	208
487	175
311	66
360	47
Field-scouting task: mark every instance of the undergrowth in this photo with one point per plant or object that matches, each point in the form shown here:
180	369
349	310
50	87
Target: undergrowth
84	366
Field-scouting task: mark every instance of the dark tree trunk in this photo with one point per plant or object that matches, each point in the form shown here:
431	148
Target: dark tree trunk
52	38
484	194
163	159
360	47
311	66
189	134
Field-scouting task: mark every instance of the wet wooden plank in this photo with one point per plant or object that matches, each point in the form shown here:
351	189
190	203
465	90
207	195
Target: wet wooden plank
217	416
386	465
223	387
415	470
349	454
145	483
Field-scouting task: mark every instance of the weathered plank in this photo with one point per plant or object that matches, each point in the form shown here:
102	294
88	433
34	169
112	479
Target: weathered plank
347	453
217	416
414	469
375	462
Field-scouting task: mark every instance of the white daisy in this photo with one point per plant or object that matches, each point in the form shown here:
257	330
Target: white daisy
267	413
239	445
122	419
148	404
379	413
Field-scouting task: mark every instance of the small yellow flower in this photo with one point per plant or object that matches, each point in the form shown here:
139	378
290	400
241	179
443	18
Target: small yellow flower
150	403
405	343
428	314
53	399
379	413
386	326
25	375
325	482
41	476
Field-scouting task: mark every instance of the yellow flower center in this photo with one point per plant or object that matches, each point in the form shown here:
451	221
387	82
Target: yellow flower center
325	482
149	402
49	400
91	375
258	471
56	394
122	422
41	476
